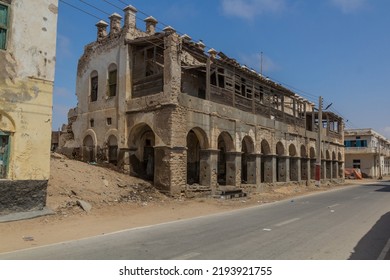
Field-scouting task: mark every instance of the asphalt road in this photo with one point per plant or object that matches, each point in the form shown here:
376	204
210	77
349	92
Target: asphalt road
349	223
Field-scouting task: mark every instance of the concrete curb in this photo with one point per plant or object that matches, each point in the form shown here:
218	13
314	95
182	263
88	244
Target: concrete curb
26	215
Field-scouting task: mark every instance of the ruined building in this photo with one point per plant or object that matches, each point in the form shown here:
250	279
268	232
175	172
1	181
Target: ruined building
164	108
27	59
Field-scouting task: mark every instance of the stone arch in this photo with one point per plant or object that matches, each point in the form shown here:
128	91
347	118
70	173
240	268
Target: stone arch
196	142
142	141
279	149
293	163
265	148
281	162
248	161
225	144
267	169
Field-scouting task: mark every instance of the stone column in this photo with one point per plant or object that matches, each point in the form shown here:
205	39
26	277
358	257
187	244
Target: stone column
305	169
233	169
172	65
336	169
208	168
252	168
282	167
170	165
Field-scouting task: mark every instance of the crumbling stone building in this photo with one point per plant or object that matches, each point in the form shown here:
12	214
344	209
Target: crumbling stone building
27	60
162	107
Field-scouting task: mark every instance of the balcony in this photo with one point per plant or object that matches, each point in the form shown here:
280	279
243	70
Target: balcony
361	150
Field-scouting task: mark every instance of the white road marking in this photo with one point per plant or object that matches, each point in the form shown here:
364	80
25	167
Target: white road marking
186	256
334	205
287	222
356	197
267	229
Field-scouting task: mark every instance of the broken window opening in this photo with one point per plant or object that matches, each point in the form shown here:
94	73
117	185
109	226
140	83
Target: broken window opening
94	86
112	82
4	19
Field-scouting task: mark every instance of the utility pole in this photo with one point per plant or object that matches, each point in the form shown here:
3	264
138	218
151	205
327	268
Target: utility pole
319	144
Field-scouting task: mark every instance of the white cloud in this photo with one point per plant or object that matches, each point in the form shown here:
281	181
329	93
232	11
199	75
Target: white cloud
254	61
248	9
349	6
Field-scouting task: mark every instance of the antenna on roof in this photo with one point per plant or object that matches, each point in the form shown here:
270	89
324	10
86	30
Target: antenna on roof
261	63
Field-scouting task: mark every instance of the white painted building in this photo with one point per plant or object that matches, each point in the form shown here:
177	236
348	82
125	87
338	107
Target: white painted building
368	151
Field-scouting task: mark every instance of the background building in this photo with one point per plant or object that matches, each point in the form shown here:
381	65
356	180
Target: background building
166	109
27	59
368	151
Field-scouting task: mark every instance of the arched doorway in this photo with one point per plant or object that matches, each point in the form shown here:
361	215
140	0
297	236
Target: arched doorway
198	165
266	163
112	144
88	149
225	144
248	161
142	142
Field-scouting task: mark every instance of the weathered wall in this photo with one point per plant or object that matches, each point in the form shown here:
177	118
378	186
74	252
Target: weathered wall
26	89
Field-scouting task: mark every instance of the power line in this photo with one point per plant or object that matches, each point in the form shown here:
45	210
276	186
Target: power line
81	10
90	5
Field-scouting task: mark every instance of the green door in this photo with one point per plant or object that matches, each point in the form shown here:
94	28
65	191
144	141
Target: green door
4	154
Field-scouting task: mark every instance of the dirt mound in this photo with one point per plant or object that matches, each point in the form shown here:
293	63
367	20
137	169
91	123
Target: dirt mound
72	181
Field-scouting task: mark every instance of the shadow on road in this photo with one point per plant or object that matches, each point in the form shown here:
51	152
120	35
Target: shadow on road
385	189
372	244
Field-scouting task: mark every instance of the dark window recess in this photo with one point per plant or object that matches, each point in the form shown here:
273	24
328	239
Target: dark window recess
3	26
109	121
94	88
112	82
92	123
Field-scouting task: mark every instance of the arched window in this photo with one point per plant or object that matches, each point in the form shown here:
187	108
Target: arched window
112	80
94	86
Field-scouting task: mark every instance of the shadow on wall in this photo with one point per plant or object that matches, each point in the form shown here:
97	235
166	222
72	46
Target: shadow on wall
370	247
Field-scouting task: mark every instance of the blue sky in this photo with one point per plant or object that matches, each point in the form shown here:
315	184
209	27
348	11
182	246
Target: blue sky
337	49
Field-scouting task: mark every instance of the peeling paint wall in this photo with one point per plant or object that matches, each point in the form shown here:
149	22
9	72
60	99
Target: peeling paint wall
26	87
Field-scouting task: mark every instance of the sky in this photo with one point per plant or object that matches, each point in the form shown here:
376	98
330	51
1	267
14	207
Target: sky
337	49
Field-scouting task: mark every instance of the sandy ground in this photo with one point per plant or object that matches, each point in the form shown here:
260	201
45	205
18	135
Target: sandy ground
118	202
